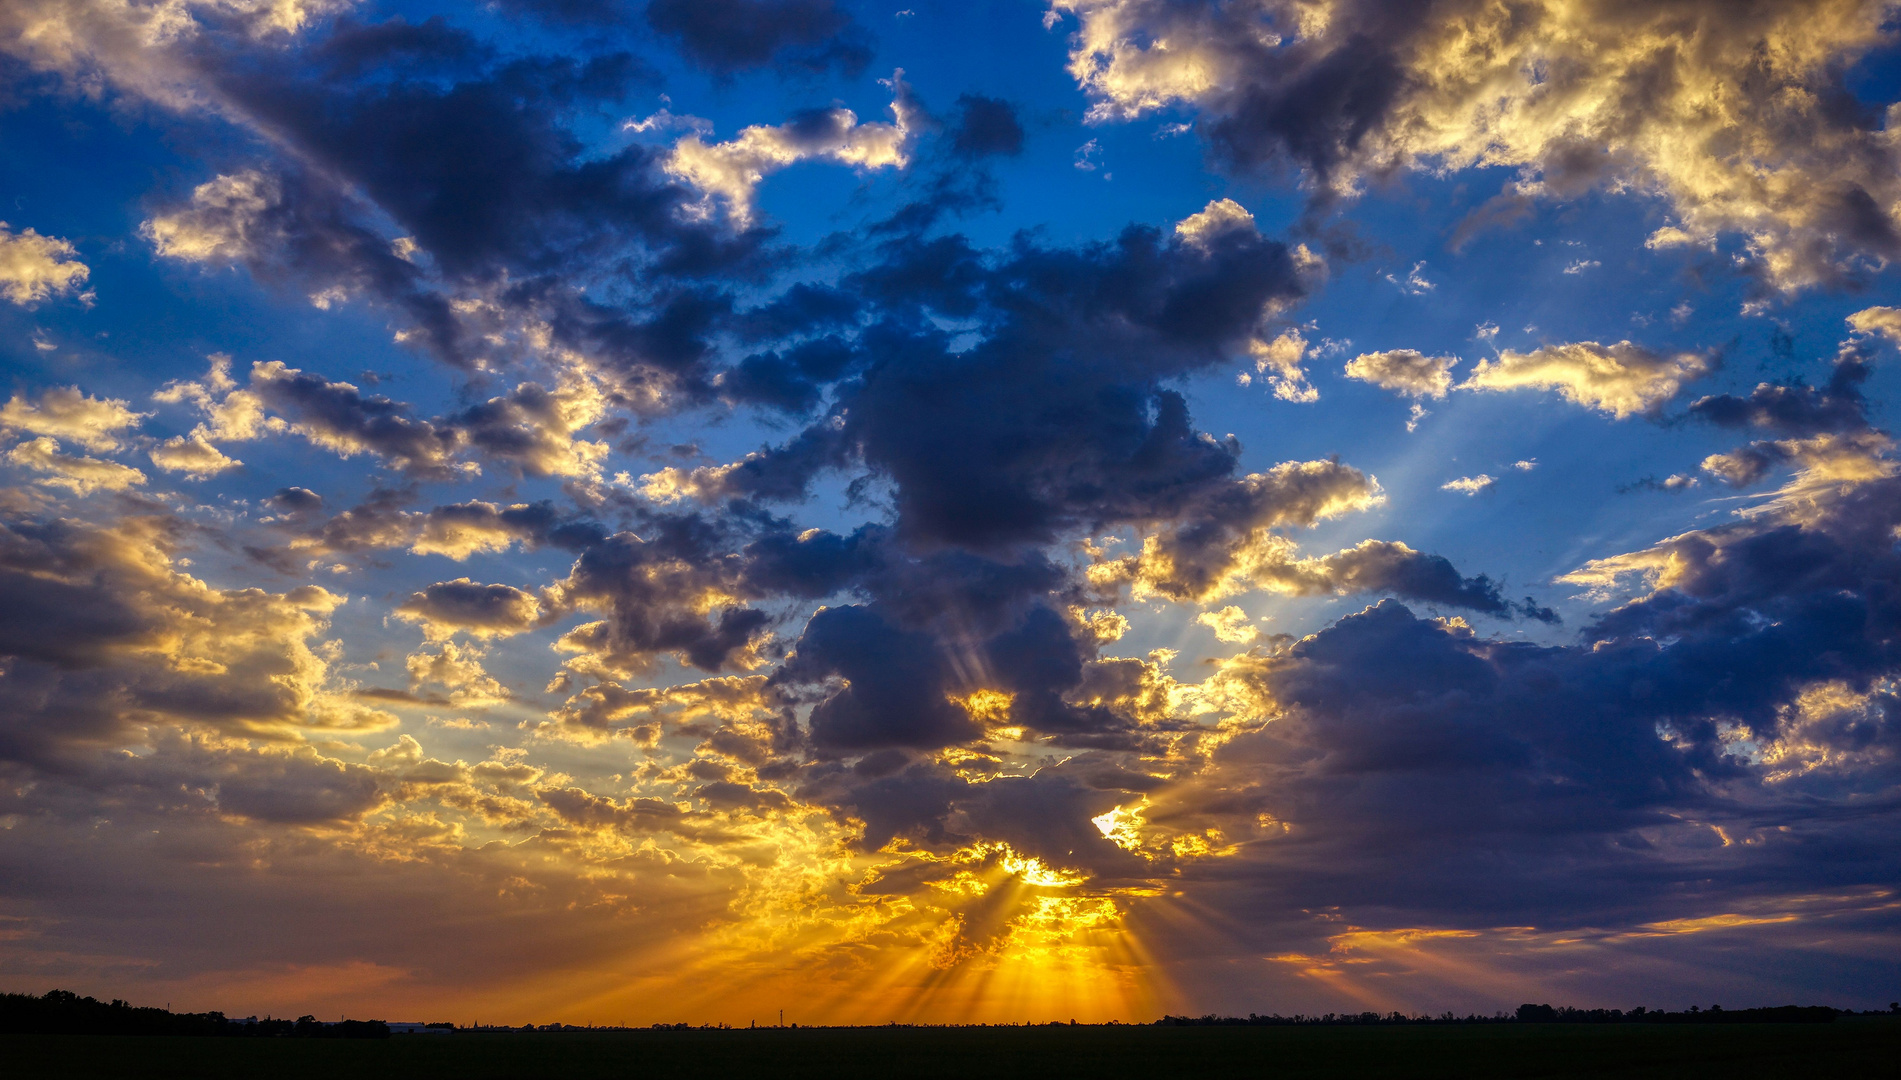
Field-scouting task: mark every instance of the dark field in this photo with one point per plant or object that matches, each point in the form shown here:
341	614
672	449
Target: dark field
1846	1048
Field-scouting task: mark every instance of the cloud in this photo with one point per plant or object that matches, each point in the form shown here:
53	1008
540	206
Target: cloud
965	437
884	682
534	428
1885	321
672	592
1469	485
1797	409
1221	217
641	711
457	530
334	415
1405	371
1824	430
1279	360
1230	625
1852	456
456	669
103	633
34	267
77	473
732	170
67	413
1621	379
1392	568
1215	549
727	36
340	418
985	127
481	611
1573	94
192	455
226	221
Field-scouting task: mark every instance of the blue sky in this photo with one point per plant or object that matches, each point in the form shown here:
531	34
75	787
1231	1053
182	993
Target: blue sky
1161	507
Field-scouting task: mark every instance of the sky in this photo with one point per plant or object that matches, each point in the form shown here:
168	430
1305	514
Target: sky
608	511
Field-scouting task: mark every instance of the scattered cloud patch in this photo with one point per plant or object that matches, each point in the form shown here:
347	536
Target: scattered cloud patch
35	268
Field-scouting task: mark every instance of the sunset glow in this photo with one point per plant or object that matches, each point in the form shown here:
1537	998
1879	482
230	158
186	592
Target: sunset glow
689	511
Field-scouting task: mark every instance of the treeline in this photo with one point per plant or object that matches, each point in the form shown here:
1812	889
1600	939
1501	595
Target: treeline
1534	1014
62	1012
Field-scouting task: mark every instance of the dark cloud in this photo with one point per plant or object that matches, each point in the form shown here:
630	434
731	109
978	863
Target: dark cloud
457	530
1056	418
729	36
482	610
792	380
896	682
58	611
287	227
985	126
1410	755
354	49
296	500
892	673
1316	112
100	632
671	592
1386	567
1796	409
420	168
339	416
480	171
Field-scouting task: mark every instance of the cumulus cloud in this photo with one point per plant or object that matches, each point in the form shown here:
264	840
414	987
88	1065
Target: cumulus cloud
1885	321
35	267
534	428
1390	567
1230	624
104	632
66	412
481	611
672	592
1279	360
77	473
334	415
1405	371
531	428
227	220
731	170
1213	549
1620	379
458	670
1573	94
192	455
457	530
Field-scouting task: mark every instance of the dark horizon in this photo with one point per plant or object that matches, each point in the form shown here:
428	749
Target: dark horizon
64	1012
